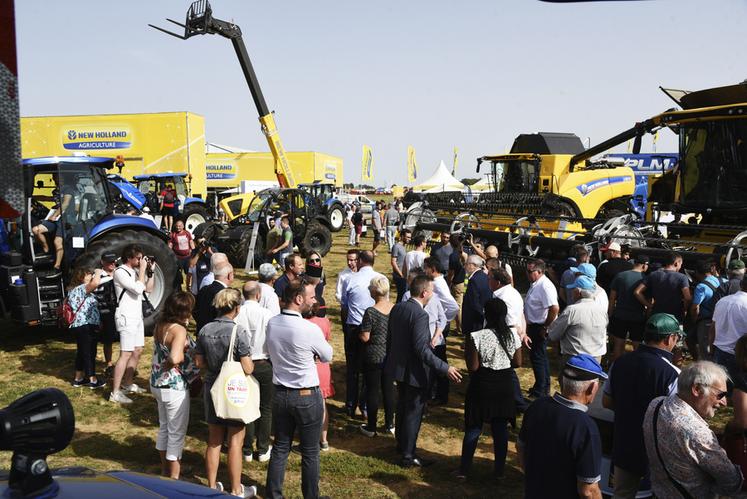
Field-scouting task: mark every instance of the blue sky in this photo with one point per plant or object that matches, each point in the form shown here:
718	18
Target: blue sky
434	74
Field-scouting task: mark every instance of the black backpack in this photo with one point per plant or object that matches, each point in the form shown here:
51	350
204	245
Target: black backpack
168	197
725	289
106	297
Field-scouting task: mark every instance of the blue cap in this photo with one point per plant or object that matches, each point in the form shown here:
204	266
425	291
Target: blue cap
582	282
584	367
586	269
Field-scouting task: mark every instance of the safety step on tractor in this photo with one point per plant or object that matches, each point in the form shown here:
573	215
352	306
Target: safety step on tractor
697	208
30	287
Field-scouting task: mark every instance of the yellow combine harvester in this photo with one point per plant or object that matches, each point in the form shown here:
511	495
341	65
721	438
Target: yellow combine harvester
535	210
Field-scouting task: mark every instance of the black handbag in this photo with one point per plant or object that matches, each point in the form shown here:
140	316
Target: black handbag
148	308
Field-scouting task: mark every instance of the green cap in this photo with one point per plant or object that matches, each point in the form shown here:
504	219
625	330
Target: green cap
663	325
736	265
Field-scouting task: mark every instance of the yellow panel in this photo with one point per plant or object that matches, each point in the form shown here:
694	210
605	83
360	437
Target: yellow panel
149	143
227	170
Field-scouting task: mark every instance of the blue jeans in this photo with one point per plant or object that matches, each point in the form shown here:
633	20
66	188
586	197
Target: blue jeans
391	230
498	426
293	410
540	365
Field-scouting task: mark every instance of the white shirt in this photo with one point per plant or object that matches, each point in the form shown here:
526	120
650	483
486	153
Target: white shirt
125	279
601	298
436	316
292	343
207	280
342	278
254	318
413	259
442	293
355	294
730	316
269	298
514	306
540	296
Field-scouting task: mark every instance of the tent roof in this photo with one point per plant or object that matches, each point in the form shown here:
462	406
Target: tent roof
484	184
441	181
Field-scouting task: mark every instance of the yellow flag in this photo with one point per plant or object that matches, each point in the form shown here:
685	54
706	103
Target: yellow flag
412	165
630	146
656	137
367	164
456	161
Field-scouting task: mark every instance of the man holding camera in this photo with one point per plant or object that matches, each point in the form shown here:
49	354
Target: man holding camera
199	264
133	277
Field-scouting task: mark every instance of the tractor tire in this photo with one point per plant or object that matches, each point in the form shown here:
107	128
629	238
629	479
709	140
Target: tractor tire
194	215
317	238
208	230
242	249
164	272
336	217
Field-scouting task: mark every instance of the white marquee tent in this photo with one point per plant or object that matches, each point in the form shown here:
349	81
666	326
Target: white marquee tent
440	181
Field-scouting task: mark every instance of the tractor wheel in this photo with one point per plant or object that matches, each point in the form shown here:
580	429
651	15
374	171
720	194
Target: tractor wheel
193	216
165	269
242	249
317	238
336	217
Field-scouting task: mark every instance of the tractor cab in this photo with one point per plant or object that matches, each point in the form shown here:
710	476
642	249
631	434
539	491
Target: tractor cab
193	210
69	197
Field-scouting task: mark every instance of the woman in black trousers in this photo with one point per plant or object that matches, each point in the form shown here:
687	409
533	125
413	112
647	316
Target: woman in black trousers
373	334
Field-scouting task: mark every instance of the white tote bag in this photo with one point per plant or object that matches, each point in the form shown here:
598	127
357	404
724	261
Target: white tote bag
235	395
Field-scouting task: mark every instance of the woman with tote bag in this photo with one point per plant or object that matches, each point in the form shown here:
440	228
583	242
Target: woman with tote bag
211	352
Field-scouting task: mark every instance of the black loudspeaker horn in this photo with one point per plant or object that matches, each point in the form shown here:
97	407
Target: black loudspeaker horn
34	426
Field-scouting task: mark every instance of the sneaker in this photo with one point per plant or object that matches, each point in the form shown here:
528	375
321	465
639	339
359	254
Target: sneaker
249	491
99	383
248	458
218	486
324	446
120	397
263	458
79	383
133	388
363	429
390	429
109	371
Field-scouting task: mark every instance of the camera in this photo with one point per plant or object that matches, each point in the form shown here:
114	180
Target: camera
150	259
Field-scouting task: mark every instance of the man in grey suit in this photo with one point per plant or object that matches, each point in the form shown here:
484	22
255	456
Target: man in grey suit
409	361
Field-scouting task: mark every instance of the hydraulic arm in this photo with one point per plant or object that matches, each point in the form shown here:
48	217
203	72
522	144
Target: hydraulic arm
200	21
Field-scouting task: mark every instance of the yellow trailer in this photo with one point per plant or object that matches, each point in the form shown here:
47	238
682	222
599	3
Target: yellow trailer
149	142
227	170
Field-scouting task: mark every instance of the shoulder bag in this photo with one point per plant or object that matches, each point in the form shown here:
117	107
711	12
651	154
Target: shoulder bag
235	395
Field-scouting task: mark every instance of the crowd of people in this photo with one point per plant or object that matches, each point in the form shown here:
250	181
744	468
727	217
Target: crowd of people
396	358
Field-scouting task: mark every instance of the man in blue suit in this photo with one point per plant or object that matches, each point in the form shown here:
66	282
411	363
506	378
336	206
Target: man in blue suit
409	361
477	295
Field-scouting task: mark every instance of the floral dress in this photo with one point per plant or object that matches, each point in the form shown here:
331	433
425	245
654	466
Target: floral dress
178	377
85	307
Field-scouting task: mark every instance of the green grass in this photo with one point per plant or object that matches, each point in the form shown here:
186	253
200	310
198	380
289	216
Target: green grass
109	436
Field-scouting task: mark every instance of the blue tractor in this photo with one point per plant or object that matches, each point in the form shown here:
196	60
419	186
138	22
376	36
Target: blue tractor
192	210
124	194
31	287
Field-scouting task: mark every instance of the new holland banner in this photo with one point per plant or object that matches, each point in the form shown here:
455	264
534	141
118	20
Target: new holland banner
367	164
412	165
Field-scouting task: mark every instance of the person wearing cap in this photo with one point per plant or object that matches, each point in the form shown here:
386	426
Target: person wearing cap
736	271
684	454
559	447
581	328
635	379
627	317
581	255
590	271
107	301
668	288
729	325
540	310
613	265
268	298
